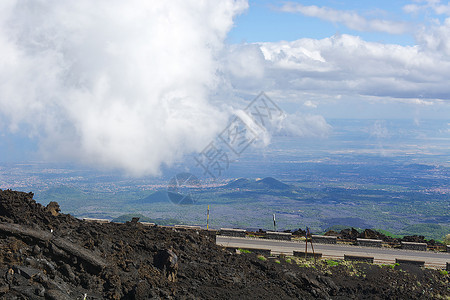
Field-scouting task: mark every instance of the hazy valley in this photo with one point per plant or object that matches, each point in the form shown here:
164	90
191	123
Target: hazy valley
395	183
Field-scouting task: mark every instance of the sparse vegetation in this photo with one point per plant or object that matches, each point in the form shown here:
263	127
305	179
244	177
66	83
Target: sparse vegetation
199	271
260	257
332	263
447	239
390	234
244	251
391	266
430	231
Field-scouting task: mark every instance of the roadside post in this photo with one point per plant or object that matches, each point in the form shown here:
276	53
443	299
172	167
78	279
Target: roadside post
274	223
308	235
207	218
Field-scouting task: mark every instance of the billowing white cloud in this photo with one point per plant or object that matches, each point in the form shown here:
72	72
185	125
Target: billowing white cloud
131	85
350	19
349	66
435	39
122	84
346	65
245	61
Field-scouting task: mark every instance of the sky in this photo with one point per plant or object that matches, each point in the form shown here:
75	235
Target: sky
352	59
139	84
270	21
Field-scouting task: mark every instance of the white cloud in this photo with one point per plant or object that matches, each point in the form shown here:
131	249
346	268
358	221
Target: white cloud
379	130
122	84
245	61
129	85
436	39
435	5
412	8
309	103
305	125
349	18
345	65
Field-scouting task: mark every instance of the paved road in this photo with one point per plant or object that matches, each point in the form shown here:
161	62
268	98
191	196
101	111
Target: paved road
380	255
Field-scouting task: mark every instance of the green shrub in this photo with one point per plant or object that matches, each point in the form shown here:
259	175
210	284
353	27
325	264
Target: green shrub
277	261
332	263
244	250
443	272
447	239
391	266
260	257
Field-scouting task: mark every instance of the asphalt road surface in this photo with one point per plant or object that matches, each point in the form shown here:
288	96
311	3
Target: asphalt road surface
380	255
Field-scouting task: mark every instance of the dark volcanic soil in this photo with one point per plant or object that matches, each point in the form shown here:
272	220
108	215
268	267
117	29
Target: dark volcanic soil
48	255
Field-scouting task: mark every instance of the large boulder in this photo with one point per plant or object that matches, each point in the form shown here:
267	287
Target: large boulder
167	261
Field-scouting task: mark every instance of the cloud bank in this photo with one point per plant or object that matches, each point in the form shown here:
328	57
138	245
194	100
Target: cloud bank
346	65
130	85
122	84
313	71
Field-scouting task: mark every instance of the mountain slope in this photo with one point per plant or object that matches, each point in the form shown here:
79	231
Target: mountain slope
268	183
48	255
167	197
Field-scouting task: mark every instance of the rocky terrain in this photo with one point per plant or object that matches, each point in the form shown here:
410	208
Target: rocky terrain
45	254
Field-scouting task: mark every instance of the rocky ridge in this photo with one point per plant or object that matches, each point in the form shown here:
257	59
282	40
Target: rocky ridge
45	254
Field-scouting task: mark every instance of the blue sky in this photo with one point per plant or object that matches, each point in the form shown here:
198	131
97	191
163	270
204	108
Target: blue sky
264	22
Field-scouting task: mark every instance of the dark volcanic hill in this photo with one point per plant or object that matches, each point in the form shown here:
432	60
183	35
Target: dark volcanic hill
238	183
48	255
271	183
158	196
268	183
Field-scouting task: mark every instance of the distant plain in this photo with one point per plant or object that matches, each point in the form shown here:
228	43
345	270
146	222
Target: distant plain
367	174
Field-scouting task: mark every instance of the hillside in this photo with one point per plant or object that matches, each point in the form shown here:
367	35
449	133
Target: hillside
49	255
268	183
238	184
165	197
158	196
